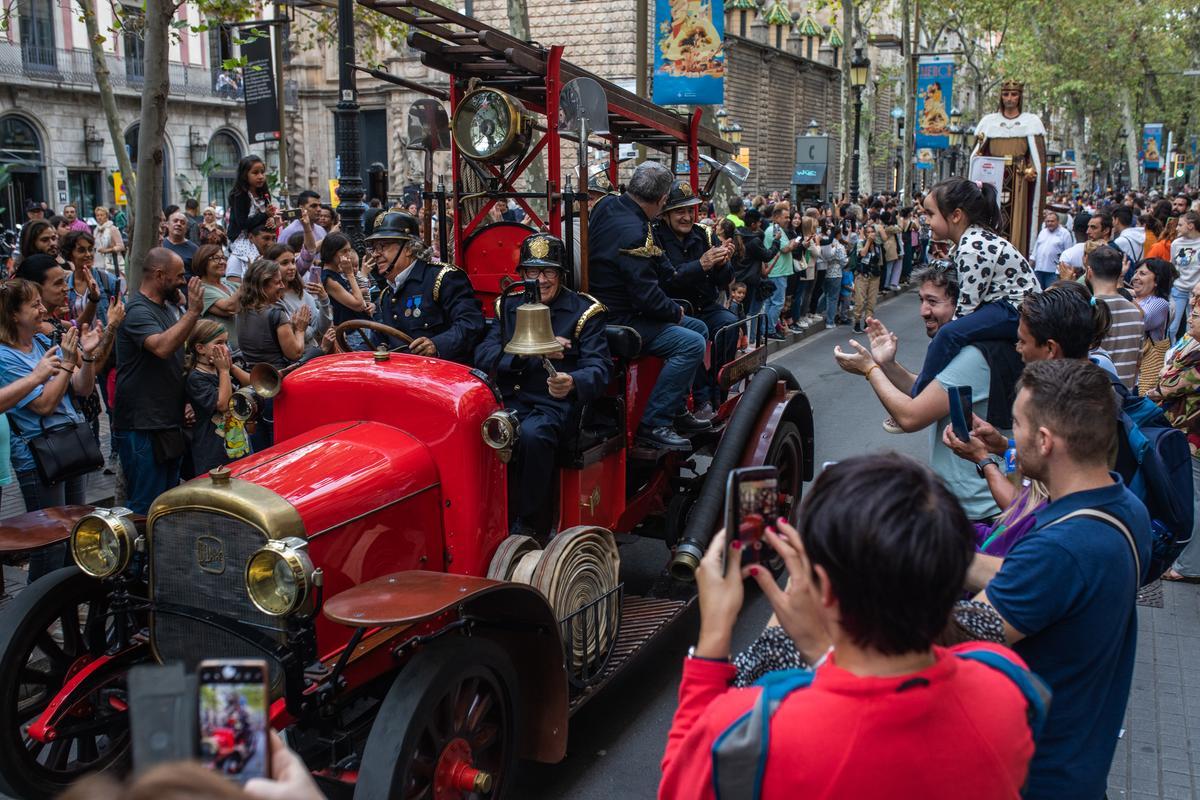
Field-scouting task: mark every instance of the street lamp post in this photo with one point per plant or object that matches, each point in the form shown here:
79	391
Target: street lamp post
956	138
347	132
860	67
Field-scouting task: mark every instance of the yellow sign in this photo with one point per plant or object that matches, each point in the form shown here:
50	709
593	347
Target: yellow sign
743	157
119	190
333	187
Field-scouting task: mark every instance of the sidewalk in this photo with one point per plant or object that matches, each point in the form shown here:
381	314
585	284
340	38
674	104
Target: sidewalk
1159	753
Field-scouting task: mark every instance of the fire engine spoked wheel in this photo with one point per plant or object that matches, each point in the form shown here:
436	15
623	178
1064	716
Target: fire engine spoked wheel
339	333
53	628
447	728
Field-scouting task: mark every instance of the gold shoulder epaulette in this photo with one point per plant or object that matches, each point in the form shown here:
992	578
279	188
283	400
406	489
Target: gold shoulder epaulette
595	308
708	233
647	250
442	273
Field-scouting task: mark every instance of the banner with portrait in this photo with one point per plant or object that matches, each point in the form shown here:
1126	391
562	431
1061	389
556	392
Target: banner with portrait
689	53
1152	145
935	93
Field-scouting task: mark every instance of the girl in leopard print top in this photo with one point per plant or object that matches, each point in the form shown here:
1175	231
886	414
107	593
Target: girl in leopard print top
993	277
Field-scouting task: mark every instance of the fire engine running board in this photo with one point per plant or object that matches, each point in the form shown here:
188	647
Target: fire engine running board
642	618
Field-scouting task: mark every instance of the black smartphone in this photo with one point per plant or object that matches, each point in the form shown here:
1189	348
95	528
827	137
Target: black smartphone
232	711
751	503
960	411
162	714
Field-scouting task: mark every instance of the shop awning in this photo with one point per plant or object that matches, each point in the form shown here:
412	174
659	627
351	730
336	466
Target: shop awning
809	174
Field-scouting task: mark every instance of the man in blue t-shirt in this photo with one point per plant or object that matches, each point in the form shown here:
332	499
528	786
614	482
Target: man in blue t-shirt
1067	590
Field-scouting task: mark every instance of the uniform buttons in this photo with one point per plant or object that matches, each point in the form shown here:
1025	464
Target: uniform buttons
516	387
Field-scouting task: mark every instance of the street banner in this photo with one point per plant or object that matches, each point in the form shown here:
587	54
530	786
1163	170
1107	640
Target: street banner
989	169
333	195
1152	139
935	90
689	54
258	85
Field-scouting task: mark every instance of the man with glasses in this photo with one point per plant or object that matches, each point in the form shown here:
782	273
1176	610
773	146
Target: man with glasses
430	301
543	399
973	367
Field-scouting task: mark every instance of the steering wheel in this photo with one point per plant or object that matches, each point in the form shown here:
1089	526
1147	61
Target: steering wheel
339	333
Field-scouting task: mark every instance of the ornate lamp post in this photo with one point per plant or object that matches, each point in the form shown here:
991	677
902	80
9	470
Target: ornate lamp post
860	69
956	138
347	132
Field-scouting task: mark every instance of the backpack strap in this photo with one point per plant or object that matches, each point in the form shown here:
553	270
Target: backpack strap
1037	693
1112	521
739	754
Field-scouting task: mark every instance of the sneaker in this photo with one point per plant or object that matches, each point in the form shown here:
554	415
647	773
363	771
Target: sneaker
775	336
858	327
687	423
661	438
890	425
797	327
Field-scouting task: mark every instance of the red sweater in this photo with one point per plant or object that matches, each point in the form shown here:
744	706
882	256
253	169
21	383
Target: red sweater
964	734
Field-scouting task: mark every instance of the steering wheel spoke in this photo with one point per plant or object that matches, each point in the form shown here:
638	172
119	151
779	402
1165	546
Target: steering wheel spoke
339	333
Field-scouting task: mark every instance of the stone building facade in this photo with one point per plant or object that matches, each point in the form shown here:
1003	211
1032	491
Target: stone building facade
54	139
774	93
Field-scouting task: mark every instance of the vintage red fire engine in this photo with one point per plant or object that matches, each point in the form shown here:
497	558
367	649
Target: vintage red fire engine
416	649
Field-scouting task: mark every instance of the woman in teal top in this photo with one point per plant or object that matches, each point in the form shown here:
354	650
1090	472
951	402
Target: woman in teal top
782	267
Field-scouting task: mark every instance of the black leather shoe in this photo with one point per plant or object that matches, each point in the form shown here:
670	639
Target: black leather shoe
662	438
686	423
778	337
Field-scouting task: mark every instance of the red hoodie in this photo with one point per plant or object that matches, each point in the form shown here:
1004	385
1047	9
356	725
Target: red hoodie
956	729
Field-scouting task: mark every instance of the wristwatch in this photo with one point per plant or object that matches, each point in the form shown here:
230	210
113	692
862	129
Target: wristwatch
992	458
691	653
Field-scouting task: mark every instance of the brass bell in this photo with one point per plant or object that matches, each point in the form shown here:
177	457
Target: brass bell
533	334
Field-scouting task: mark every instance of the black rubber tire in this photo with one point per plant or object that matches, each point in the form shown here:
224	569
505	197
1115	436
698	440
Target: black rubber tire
417	718
786	453
25	631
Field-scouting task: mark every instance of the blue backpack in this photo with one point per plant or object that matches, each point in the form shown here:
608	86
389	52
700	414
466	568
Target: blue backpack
1155	462
739	755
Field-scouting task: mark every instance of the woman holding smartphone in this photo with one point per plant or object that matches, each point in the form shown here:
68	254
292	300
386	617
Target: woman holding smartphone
297	293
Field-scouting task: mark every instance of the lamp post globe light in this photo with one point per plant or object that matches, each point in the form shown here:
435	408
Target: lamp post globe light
735	134
956	138
813	128
860	68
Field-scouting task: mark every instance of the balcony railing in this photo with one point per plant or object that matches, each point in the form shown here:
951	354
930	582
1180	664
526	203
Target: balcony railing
74	68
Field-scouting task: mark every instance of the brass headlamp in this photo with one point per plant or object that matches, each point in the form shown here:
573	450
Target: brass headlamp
280	578
102	542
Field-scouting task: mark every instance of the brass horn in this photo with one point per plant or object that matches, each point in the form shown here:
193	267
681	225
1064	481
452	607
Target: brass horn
265	380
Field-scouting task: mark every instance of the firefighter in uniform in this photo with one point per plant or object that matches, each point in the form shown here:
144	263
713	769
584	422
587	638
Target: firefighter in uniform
629	273
703	269
430	301
543	403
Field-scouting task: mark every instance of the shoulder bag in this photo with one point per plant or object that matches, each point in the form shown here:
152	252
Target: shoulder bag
63	451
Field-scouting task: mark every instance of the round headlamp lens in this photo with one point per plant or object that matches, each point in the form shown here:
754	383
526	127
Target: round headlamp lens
498	431
271	582
99	545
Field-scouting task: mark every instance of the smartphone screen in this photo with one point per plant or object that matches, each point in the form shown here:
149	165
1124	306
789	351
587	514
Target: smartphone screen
233	718
751	502
960	410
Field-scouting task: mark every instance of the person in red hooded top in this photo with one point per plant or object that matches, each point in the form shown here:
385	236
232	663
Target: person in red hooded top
884	712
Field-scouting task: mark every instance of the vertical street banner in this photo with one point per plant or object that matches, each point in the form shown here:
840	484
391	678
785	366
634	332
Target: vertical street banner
1152	140
935	92
689	54
258	85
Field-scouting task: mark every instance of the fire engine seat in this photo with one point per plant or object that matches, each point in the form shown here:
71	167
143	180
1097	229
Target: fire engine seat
597	428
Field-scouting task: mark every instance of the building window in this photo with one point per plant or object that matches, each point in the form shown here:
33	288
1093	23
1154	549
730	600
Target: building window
37	35
21	153
133	25
131	147
225	153
227	83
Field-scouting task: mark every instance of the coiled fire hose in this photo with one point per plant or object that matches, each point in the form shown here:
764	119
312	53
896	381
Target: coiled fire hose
579	567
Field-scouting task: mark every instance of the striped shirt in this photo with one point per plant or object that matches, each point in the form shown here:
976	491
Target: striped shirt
1124	340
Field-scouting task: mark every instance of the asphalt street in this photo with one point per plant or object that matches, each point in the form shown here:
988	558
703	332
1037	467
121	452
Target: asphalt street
617	739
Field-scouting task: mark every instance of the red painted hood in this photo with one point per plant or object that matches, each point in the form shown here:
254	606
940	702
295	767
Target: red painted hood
342	470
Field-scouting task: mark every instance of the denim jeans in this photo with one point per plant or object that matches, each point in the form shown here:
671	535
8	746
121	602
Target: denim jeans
145	478
831	299
994	320
1046	279
756	307
1180	300
681	347
804	291
264	430
715	318
774	303
40	495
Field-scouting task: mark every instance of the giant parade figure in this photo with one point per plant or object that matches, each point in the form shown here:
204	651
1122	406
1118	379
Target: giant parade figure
1020	139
